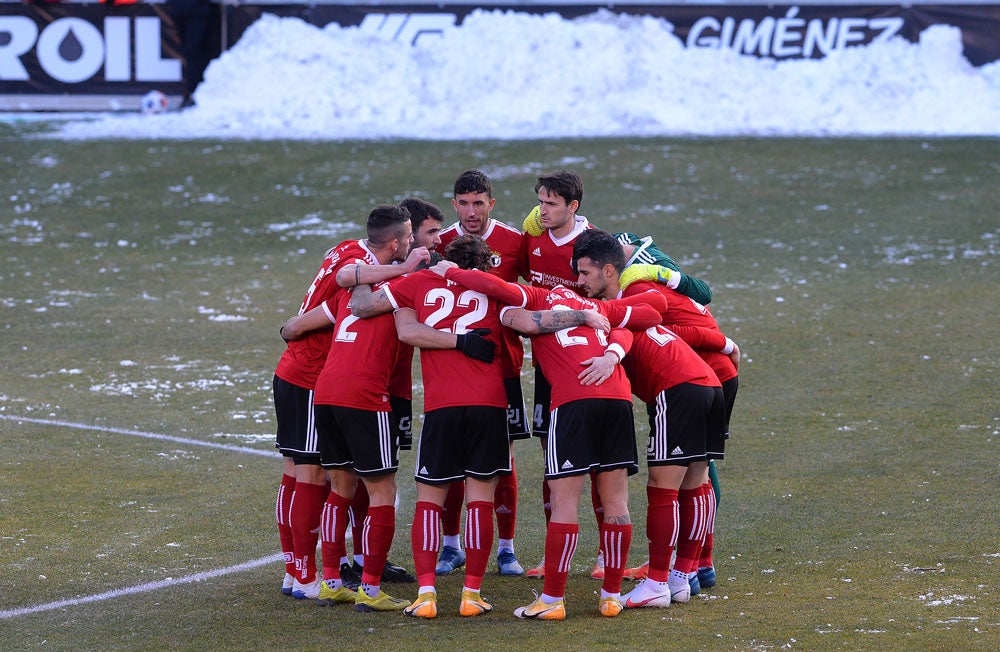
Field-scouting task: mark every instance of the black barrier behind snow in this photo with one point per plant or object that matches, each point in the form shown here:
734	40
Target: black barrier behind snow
52	56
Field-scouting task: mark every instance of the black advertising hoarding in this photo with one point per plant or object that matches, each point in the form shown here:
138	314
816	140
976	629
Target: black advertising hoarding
53	55
788	31
98	49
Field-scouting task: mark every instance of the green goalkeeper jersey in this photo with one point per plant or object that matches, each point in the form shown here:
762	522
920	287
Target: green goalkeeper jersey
647	252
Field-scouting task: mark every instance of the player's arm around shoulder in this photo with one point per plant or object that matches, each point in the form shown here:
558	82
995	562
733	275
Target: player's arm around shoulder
299	326
366	302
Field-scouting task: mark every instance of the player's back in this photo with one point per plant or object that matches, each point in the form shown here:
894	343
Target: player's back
659	359
450	377
362	356
563	353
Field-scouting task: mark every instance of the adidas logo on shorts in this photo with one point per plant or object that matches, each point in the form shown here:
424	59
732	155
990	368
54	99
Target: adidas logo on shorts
567	465
677	451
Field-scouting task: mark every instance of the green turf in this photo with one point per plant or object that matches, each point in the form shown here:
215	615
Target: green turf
143	284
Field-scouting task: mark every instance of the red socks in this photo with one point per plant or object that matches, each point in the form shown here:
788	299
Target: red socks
615	541
451	513
692	532
379	527
478	541
505	500
333	527
662	523
282	506
359	509
304	516
706	549
425	540
560	546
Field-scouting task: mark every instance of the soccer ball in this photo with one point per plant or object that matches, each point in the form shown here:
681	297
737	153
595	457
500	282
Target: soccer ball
153	102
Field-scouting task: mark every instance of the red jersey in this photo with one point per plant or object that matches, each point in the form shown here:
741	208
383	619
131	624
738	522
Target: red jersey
695	324
505	243
303	359
546	260
450	377
561	354
659	360
361	359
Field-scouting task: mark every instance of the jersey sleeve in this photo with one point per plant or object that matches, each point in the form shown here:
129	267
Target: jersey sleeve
699	337
632	314
490	285
620	341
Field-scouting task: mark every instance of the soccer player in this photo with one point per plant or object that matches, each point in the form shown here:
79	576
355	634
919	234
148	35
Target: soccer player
590	428
545	263
353	414
473	202
687	425
697	326
304	490
425	220
550	231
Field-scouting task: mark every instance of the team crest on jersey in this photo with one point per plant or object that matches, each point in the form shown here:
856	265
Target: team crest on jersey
495	259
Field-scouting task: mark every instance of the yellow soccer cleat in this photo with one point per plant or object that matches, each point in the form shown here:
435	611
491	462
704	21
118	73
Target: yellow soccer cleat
425	606
329	596
473	604
610	606
381	602
533	222
538	610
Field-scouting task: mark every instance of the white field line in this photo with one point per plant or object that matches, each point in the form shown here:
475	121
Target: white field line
149	586
141	588
140	433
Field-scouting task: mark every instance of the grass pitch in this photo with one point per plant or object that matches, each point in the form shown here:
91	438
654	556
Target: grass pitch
143	284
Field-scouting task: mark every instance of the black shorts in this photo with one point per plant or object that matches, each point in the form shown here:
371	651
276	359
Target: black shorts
517	417
594	433
679	424
543	399
362	440
729	392
460	442
402	421
715	435
296	430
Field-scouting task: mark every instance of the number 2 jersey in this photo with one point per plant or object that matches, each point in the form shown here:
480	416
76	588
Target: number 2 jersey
362	357
450	377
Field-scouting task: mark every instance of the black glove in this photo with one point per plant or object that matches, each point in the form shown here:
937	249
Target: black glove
477	347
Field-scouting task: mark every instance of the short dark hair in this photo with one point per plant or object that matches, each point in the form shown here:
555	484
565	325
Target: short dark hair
470	252
600	247
386	222
473	181
421	211
562	183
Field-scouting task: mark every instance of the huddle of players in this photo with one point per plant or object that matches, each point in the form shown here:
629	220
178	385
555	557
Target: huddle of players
342	417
